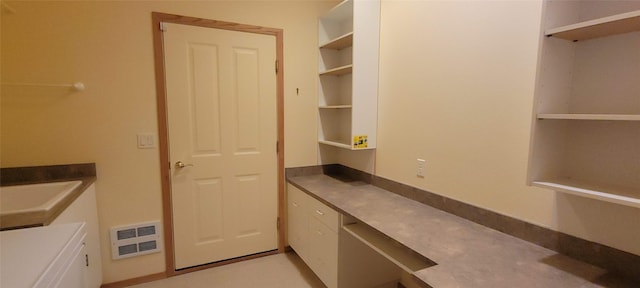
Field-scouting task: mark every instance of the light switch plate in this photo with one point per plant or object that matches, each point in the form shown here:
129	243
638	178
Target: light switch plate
146	141
420	171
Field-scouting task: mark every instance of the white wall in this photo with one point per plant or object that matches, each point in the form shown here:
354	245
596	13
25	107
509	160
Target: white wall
108	46
456	89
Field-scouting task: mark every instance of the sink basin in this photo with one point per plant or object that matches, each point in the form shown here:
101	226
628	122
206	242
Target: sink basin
34	197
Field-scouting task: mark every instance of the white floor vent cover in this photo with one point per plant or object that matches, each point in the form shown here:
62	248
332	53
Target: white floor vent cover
135	240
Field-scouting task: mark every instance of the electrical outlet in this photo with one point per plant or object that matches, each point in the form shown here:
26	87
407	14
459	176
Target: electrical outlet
420	171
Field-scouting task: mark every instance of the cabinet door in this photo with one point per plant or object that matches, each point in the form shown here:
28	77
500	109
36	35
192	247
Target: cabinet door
74	275
297	221
84	209
324	252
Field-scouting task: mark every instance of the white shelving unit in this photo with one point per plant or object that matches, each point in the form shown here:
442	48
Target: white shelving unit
348	37
586	128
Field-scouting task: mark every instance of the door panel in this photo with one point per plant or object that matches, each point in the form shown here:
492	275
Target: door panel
221	102
208	212
206	98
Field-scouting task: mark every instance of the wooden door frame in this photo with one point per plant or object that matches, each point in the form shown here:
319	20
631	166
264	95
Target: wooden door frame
163	139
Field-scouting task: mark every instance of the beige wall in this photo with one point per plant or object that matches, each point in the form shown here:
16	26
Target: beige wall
456	89
108	46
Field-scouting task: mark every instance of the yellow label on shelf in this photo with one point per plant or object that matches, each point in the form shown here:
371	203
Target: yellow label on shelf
360	141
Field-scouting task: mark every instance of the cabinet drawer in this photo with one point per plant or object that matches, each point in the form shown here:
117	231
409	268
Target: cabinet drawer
325	214
296	197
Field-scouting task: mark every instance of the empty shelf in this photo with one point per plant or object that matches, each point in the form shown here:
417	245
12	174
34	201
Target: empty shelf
608	193
343	70
608	117
341	42
335	143
601	27
335	107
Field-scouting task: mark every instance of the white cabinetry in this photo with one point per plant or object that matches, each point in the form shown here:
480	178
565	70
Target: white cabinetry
348	38
49	256
298	221
586	130
84	209
313	234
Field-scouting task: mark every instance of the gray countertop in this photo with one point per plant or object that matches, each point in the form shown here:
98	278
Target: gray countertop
467	254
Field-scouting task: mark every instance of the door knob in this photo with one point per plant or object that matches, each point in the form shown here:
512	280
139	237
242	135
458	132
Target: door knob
180	164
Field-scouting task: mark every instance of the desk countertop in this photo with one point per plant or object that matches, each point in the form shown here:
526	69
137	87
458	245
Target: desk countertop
467	254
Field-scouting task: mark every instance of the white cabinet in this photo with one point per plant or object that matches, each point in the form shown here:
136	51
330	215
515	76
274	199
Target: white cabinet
313	234
298	221
586	130
84	209
49	256
348	38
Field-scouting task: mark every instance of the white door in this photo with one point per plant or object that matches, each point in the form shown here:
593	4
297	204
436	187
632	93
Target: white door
221	103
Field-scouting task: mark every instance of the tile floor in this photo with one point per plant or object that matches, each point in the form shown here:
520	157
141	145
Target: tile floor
285	270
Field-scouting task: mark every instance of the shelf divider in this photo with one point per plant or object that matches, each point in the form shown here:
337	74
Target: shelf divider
338	71
601	27
607	193
338	43
603	117
343	145
336	144
336	107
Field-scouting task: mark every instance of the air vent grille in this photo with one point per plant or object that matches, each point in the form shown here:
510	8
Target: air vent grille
136	239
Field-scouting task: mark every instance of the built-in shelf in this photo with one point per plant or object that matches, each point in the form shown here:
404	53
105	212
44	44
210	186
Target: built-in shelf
338	71
605	117
607	193
335	107
584	136
397	253
347	97
601	27
339	43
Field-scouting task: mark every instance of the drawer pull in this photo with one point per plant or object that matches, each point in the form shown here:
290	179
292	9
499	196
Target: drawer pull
319	232
294	204
319	212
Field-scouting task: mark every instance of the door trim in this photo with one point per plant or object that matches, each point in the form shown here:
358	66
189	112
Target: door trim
163	139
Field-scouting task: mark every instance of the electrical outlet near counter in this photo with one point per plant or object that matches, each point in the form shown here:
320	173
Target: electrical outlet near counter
420	170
